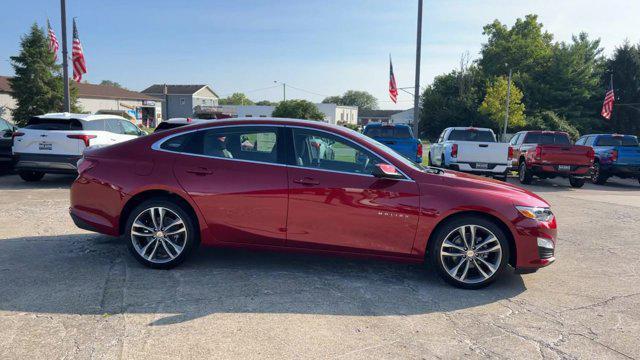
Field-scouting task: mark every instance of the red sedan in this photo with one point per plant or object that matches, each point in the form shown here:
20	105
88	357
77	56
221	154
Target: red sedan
171	191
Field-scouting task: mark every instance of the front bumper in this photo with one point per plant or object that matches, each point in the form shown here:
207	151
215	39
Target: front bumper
58	164
530	255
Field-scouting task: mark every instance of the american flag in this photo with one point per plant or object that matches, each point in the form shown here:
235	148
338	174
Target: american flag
607	106
393	88
77	56
53	42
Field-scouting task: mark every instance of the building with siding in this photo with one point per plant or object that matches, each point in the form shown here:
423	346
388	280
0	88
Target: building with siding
386	116
183	100
93	98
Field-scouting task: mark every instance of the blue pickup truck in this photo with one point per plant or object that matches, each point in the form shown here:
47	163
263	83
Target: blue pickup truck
398	137
615	155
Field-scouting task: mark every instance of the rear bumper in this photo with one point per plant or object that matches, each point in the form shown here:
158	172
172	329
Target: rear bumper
473	168
59	164
553	170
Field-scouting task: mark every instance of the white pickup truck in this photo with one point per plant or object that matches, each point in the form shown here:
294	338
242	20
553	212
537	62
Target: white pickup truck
473	150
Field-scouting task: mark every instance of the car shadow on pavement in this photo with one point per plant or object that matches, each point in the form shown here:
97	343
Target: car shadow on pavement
94	274
49	181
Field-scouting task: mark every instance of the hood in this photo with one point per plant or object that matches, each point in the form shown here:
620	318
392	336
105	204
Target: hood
518	195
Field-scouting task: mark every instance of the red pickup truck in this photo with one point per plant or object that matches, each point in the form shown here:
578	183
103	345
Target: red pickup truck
548	154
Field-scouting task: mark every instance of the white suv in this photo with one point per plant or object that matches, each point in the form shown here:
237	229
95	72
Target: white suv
53	143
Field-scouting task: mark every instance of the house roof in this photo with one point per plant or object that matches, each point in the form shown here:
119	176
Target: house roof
175	89
364	113
92	91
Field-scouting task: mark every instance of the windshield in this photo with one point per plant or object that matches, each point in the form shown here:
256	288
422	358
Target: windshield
395	132
547	139
389	151
472	135
626	141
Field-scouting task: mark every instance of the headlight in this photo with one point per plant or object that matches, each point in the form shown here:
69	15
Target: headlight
537	213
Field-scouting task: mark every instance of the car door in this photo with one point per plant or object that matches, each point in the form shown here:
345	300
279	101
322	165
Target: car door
335	203
6	132
237	178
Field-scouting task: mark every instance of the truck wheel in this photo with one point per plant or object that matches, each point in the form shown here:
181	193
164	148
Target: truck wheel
597	176
442	164
31	176
576	182
524	175
502	177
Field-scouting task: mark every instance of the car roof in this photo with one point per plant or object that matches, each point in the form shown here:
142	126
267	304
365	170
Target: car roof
608	135
84	117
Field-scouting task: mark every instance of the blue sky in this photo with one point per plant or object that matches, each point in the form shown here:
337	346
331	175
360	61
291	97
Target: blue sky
324	47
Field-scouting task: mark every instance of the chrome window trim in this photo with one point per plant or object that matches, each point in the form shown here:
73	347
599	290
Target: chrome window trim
156	146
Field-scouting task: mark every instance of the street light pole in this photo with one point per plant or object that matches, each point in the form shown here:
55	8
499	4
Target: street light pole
506	117
416	94
65	68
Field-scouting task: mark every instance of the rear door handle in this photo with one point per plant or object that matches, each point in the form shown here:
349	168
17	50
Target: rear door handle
306	181
200	171
484	145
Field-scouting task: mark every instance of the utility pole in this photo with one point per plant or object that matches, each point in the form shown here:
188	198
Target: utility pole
284	90
416	94
506	118
65	67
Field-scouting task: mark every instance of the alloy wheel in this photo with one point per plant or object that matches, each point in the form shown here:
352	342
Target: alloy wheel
158	235
471	254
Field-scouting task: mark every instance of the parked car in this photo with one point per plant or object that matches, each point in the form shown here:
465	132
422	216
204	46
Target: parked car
53	143
168	192
472	150
615	155
549	154
6	141
398	137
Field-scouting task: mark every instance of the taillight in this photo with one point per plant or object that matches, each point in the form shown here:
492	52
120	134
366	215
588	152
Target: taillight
591	154
510	156
84	138
614	155
17	134
419	151
538	153
454	150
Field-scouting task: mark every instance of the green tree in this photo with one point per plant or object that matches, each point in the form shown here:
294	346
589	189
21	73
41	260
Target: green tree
236	99
494	104
266	103
361	99
112	83
37	84
298	109
625	67
548	120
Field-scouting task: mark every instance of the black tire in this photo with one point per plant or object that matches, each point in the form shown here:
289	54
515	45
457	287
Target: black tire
597	176
524	175
440	236
442	163
31	176
192	236
576	182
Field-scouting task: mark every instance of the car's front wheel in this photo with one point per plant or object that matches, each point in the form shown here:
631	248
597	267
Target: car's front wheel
160	233
469	252
31	176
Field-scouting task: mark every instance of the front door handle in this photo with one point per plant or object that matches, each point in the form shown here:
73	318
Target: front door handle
200	171
306	181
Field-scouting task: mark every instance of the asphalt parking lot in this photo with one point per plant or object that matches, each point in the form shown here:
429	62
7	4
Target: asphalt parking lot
67	293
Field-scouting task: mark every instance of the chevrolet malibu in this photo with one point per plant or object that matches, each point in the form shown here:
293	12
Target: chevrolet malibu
259	184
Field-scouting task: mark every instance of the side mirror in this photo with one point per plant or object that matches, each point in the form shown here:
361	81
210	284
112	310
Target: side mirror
8	133
386	171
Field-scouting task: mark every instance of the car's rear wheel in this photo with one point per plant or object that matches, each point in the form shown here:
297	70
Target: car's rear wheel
469	252
31	176
576	182
160	233
524	175
597	176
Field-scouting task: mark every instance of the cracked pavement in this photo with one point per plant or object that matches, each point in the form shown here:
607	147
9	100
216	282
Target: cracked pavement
67	293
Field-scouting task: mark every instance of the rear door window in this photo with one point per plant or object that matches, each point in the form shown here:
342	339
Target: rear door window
36	123
114	126
95	125
472	135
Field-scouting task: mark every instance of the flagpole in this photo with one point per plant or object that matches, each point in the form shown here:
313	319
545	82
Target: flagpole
65	69
416	95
